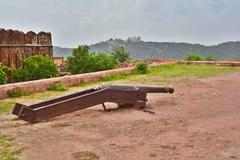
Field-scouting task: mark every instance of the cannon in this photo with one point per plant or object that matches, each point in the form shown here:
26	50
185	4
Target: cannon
135	96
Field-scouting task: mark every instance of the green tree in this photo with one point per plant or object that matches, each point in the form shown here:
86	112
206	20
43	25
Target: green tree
82	61
120	54
35	67
79	60
103	61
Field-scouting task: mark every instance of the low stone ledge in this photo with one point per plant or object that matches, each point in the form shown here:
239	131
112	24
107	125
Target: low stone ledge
43	84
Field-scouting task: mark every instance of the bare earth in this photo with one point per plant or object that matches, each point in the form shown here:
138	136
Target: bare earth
201	120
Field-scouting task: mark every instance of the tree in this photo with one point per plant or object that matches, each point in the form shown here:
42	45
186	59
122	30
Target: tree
35	67
103	62
120	54
82	61
79	61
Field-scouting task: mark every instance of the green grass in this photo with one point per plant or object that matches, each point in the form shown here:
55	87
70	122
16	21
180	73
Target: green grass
7	151
85	155
17	92
57	87
114	77
174	70
6	106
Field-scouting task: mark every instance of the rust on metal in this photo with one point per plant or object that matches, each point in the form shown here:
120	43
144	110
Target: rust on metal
120	94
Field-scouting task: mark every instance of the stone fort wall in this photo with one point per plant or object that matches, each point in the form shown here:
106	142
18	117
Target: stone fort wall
15	45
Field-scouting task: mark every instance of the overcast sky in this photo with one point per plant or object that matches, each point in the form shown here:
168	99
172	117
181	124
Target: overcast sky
74	22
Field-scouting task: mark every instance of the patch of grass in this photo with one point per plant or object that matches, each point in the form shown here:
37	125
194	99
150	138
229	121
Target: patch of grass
85	155
174	70
60	125
6	106
7	151
115	77
124	106
17	92
57	87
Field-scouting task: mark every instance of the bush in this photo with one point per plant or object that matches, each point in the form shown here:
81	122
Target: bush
82	61
210	58
3	76
141	68
16	92
57	87
35	67
193	57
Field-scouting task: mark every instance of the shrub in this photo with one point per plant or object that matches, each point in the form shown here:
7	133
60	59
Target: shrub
35	67
210	58
16	92
82	61
57	87
193	57
3	77
141	68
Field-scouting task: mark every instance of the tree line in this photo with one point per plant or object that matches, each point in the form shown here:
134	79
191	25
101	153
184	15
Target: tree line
80	61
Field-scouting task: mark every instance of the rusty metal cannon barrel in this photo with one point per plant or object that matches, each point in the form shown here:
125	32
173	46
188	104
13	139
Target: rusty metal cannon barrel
147	89
161	89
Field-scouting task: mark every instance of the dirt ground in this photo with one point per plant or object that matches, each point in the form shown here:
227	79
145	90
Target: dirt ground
201	121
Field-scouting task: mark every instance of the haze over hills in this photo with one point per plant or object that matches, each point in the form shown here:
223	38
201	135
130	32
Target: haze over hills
139	49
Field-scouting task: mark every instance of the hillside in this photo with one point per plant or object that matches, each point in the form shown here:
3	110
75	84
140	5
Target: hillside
167	50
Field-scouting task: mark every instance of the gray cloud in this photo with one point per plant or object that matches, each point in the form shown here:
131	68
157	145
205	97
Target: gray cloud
74	22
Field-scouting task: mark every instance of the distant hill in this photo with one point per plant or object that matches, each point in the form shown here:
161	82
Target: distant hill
167	50
61	52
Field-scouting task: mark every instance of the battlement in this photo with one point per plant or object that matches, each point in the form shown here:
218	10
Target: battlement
15	45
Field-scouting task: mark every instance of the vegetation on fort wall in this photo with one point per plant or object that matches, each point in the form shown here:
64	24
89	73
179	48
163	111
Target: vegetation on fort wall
82	61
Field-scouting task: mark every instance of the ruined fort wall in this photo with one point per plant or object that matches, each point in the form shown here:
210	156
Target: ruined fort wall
15	45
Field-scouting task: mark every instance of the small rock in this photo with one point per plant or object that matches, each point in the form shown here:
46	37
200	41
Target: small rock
152	155
229	155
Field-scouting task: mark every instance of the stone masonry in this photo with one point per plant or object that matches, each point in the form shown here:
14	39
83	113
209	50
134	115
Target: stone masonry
15	45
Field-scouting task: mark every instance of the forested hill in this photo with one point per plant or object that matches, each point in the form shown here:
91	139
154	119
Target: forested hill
168	50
